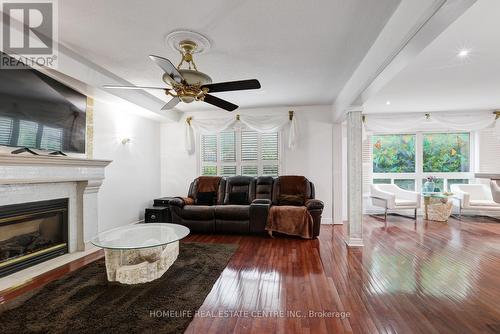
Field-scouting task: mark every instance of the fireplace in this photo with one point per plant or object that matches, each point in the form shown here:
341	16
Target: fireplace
31	233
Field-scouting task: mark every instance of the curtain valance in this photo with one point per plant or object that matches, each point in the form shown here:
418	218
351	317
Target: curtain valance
458	121
263	124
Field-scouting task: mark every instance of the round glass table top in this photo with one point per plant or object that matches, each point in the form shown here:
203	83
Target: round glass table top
140	236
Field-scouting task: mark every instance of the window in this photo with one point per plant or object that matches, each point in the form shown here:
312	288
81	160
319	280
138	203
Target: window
446	152
240	152
407	159
394	154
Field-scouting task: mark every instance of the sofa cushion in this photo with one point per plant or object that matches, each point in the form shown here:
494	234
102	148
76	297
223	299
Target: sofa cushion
238	198
198	212
206	198
232	212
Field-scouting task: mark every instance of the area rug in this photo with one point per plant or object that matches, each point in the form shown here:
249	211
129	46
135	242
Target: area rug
85	302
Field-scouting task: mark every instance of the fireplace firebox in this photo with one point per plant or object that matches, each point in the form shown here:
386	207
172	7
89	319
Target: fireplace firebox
31	233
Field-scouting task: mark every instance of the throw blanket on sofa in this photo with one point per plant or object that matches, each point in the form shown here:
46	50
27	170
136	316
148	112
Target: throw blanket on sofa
208	184
205	184
291	220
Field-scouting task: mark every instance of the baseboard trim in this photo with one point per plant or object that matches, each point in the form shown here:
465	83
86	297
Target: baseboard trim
354	242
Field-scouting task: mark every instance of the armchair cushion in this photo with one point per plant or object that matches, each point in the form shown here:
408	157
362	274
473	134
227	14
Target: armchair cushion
483	202
391	196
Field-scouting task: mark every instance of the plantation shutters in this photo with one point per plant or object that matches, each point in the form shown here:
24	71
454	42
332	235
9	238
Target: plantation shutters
241	152
27	133
6	125
52	138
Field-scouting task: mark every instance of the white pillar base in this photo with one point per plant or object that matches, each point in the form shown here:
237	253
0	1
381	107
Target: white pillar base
354	242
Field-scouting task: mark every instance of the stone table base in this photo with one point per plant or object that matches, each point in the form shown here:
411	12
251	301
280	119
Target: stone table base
134	266
437	209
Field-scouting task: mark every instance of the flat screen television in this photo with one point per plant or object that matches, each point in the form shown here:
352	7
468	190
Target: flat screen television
39	112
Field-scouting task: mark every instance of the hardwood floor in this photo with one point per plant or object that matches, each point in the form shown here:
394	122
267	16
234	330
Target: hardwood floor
426	277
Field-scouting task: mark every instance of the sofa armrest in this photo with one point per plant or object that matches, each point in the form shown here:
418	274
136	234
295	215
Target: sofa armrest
262	201
259	210
178	202
314	204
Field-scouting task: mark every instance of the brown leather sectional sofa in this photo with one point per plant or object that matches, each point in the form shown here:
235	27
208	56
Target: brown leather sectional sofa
248	216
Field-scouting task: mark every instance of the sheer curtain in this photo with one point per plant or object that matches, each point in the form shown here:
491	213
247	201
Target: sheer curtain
263	124
470	121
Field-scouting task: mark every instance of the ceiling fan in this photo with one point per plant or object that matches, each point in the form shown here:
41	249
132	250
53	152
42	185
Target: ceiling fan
189	84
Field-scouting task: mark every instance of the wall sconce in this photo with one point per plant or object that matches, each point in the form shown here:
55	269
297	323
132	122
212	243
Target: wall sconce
125	141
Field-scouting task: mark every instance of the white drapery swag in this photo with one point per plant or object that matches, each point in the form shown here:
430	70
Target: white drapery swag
457	121
262	124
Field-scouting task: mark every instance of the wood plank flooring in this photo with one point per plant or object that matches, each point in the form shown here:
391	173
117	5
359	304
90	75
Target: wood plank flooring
423	277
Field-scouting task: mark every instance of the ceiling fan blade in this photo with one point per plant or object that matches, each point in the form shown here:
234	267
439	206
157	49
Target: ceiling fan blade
233	85
172	103
132	87
220	102
168	67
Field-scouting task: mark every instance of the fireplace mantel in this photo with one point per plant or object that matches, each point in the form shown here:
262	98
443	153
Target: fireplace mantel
31	178
15	169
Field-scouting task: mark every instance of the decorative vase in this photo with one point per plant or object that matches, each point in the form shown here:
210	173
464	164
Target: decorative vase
429	187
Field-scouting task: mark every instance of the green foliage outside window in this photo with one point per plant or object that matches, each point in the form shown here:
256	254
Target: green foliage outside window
394	154
446	152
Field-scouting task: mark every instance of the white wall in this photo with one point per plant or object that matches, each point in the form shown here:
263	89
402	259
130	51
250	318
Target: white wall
312	157
133	178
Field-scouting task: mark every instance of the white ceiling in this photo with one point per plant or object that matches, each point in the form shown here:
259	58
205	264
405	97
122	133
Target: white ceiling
438	80
302	52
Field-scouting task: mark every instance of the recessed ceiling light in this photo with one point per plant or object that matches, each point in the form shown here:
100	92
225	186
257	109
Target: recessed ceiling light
463	53
388	102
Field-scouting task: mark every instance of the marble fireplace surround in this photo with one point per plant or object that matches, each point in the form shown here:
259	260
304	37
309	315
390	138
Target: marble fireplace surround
29	178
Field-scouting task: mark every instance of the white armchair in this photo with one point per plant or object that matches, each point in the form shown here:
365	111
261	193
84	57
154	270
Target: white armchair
475	197
392	197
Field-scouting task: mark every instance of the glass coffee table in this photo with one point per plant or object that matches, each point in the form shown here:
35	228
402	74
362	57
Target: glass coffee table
140	253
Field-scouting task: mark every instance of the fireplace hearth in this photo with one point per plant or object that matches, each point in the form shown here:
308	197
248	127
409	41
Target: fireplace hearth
31	233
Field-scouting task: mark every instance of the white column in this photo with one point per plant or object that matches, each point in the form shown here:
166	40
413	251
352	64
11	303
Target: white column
338	198
354	236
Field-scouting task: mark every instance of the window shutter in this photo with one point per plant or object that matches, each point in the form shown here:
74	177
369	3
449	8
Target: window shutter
270	146
228	170
6	125
27	133
209	170
249	145
270	170
249	170
228	146
51	138
209	148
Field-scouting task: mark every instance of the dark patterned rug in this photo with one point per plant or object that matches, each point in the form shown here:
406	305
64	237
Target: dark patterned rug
85	302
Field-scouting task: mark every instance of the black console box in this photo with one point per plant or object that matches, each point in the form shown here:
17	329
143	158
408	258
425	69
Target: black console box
157	214
160	212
